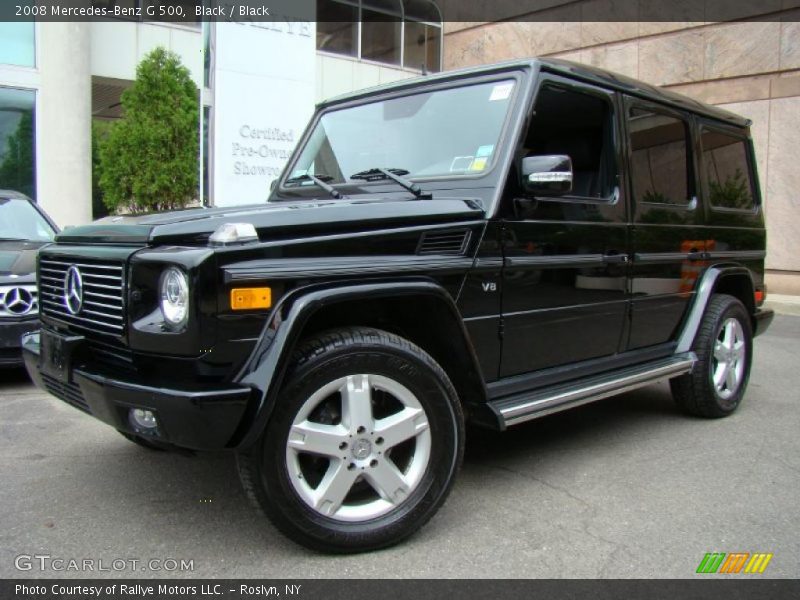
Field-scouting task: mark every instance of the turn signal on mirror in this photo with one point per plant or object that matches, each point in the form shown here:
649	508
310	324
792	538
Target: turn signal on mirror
251	298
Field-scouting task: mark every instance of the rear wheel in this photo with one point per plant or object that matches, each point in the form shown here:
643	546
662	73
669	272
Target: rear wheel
724	348
362	448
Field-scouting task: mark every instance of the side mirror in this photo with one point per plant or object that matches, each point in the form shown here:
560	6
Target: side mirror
547	175
272	185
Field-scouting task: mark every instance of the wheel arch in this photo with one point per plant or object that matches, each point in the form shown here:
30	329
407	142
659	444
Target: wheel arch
734	280
421	311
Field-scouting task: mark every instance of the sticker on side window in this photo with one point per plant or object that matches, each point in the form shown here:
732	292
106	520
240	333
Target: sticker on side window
485	151
501	92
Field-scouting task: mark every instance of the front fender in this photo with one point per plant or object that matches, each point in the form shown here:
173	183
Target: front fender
268	364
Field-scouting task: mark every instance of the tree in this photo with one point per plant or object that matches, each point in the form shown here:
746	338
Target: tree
100	131
16	169
149	159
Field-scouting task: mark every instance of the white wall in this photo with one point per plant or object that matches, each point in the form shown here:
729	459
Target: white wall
63	124
263	97
340	75
117	47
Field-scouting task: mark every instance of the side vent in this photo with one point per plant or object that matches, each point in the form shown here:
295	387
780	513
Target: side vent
452	242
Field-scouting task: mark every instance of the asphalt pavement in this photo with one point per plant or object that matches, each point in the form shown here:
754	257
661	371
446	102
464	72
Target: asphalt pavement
627	487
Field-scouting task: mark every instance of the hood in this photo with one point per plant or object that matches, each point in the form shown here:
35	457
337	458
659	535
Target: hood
18	261
273	220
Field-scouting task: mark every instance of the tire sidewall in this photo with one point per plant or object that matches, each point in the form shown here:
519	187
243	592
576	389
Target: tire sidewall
436	397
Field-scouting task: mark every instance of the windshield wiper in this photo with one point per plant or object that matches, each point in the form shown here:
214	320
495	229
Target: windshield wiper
321	181
395	175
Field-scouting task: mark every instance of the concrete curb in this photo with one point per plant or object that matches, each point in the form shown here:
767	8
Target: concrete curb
784	304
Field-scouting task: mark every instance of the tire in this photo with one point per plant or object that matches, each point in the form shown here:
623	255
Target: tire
357	453
697	393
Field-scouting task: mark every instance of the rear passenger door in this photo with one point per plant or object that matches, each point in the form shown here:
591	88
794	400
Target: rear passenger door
667	234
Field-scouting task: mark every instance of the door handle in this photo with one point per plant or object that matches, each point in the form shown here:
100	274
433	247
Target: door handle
611	259
697	255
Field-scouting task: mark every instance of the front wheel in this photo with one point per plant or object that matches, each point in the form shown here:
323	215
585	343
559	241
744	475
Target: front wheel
363	446
724	348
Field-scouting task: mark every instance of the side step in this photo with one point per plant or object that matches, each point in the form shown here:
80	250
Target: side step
538	403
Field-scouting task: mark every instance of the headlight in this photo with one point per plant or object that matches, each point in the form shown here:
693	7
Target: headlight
174	296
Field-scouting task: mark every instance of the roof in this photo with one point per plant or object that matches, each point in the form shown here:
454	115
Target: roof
586	73
13	194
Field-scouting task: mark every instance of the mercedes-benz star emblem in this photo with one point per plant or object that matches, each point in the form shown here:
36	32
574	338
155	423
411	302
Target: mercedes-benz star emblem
18	301
73	290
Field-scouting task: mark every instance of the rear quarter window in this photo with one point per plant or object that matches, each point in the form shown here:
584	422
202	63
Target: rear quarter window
727	176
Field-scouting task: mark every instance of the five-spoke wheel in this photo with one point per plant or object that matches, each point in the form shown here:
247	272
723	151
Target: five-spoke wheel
380	436
723	346
363	444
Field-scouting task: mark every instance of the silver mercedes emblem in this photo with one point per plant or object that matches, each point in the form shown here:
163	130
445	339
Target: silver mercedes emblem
18	301
73	290
362	449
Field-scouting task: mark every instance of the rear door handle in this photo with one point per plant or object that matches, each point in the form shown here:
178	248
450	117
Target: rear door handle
611	259
697	255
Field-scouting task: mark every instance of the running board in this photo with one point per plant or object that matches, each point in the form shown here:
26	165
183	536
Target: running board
532	405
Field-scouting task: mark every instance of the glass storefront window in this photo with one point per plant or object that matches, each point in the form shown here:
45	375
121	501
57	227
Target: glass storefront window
17	155
405	33
17	44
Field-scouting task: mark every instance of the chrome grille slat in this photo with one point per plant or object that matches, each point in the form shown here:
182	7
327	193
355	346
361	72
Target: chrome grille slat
103	310
67	265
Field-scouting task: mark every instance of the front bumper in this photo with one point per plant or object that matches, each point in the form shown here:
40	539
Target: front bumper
761	320
205	419
11	332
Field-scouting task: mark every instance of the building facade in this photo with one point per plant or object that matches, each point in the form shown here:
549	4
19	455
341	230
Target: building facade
257	82
750	68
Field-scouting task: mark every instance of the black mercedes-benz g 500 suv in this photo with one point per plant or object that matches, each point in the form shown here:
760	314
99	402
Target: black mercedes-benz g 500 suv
492	245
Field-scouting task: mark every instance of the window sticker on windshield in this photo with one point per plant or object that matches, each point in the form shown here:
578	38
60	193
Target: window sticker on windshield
461	163
501	92
479	164
485	151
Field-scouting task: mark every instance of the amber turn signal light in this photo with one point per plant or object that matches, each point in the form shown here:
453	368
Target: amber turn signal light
250	298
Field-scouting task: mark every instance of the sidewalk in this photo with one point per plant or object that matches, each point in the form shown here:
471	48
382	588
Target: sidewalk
784	305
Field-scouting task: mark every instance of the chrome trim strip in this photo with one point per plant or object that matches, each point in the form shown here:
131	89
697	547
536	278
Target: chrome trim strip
540	405
740	254
558	260
288	268
660	257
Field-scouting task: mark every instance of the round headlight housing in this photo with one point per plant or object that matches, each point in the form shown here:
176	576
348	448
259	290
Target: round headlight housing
175	297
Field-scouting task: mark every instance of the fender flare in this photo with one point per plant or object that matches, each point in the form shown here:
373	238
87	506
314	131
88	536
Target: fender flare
268	364
705	289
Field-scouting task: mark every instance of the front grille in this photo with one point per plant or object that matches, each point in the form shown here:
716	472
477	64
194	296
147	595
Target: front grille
102	310
68	392
111	354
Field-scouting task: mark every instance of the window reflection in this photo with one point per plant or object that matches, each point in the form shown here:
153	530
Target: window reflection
17	156
17	44
404	33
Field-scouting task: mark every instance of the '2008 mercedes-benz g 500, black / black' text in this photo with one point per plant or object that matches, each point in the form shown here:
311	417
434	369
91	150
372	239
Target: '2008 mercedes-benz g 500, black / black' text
492	245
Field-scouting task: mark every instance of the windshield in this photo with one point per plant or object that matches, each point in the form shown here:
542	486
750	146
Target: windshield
452	132
21	221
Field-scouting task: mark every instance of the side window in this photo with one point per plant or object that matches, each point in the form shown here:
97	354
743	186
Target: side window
726	172
659	157
579	125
